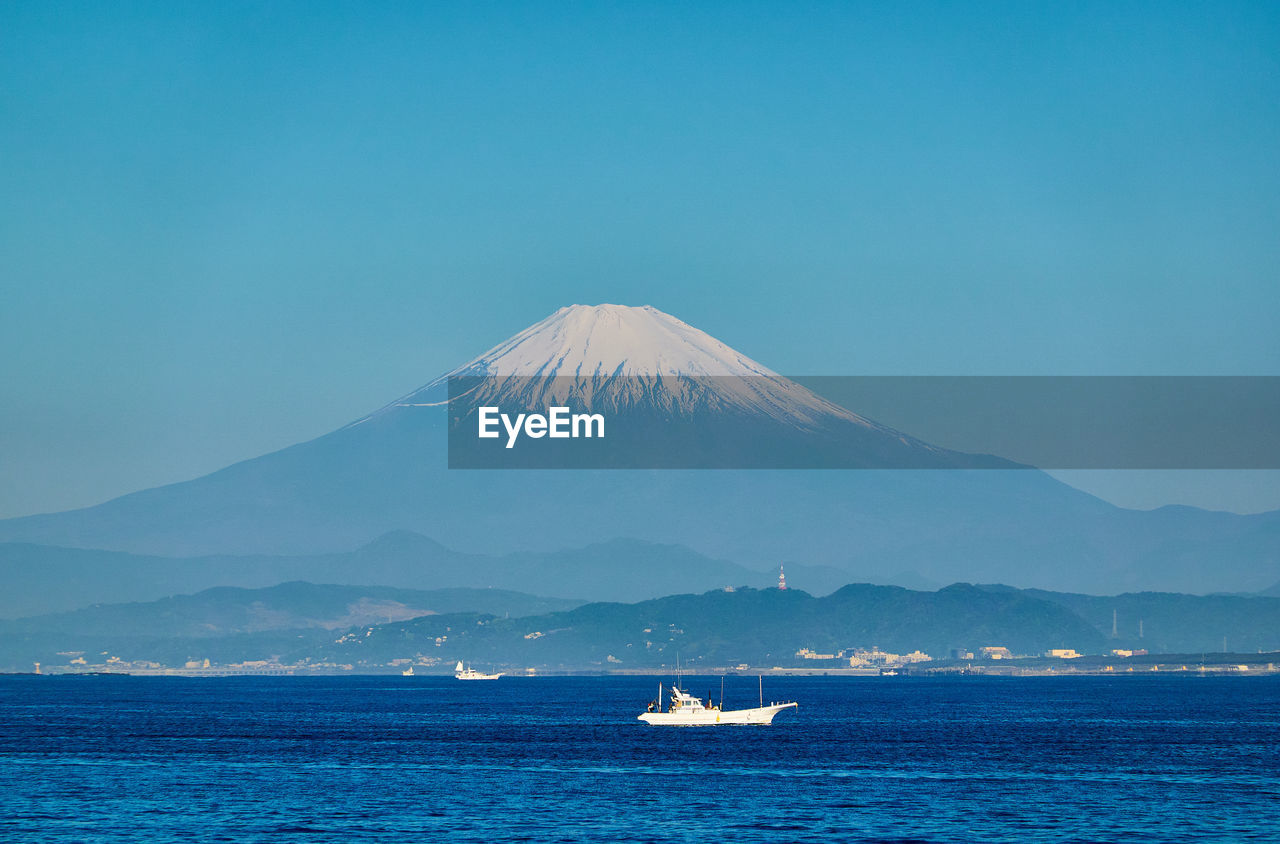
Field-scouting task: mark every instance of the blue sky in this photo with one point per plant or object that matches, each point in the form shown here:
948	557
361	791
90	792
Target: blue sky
228	228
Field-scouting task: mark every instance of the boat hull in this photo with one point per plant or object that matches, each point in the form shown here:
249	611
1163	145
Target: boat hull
713	717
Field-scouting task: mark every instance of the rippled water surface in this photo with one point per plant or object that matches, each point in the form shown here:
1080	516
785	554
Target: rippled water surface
563	759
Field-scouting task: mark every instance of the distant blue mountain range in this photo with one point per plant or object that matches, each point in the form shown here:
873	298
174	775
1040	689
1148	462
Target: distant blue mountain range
372	628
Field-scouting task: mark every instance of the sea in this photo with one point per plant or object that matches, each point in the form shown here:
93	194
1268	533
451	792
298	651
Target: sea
401	759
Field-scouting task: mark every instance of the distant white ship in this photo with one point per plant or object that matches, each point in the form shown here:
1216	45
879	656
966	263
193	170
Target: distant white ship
685	710
408	672
470	673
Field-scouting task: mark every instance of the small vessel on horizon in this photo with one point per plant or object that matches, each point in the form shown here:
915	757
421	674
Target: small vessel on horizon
469	673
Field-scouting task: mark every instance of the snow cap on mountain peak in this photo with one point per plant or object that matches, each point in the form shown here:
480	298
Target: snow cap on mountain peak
620	355
605	340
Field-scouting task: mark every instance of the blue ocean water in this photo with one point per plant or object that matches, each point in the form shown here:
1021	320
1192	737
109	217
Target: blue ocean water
354	759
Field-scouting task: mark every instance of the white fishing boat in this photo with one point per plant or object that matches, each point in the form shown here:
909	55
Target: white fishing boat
408	672
685	710
469	673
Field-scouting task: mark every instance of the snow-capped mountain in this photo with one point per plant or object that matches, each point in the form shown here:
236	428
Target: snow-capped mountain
603	340
388	471
688	400
616	357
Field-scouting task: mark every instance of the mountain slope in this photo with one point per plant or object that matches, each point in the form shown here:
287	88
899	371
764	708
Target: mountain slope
1172	623
41	580
388	472
767	627
616	356
303	623
228	610
758	627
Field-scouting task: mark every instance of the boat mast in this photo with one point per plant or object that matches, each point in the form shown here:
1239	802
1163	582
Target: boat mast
760	677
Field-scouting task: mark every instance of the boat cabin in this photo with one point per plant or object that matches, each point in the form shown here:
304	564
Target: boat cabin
682	701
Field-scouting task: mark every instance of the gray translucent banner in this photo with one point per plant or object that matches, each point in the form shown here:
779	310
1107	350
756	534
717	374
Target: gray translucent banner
851	422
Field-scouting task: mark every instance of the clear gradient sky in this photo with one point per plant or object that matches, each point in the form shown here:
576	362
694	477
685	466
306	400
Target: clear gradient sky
227	228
